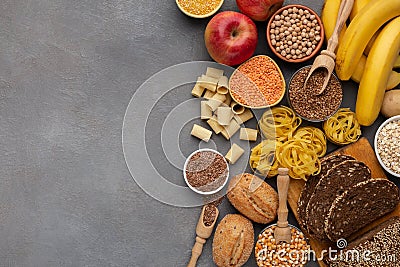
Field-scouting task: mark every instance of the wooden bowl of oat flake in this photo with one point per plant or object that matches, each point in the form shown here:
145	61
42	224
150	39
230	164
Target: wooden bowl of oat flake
387	145
257	83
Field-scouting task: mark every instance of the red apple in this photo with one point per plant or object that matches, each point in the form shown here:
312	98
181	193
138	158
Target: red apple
259	10
231	38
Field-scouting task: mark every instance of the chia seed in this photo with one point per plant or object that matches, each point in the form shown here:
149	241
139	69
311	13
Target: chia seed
210	212
306	103
206	171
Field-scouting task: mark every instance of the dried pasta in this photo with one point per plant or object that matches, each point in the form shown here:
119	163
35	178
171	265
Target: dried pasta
279	123
313	136
234	153
201	133
299	157
262	158
343	127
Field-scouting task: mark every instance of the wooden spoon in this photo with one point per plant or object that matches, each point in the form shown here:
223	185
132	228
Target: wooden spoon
282	232
203	232
326	60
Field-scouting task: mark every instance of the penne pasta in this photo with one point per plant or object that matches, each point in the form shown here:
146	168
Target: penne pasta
224	115
222	87
248	134
230	130
228	100
236	108
197	90
208	94
214	73
208	83
234	153
214	104
201	133
215	126
245	116
205	111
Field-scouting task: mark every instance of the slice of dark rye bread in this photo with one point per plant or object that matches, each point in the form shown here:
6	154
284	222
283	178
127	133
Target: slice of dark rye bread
327	163
338	179
360	205
378	247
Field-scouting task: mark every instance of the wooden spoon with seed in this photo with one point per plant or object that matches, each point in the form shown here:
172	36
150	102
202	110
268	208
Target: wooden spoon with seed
203	232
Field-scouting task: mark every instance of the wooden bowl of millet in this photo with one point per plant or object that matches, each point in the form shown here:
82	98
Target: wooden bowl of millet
199	9
295	33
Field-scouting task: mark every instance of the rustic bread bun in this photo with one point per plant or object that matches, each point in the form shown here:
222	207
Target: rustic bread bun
253	197
233	241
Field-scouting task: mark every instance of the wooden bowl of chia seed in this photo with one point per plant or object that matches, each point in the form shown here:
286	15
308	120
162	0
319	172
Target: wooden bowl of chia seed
306	103
206	171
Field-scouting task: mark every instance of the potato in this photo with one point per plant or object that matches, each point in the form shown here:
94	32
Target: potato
391	103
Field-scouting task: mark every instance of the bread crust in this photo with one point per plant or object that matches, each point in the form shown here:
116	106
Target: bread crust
253	197
233	241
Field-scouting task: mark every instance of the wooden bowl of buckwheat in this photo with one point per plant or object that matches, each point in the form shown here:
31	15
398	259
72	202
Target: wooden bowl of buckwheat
295	33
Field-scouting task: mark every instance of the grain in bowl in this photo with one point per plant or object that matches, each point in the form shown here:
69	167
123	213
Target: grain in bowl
269	253
387	145
206	171
257	83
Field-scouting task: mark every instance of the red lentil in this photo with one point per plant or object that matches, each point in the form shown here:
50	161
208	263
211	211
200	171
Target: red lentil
258	82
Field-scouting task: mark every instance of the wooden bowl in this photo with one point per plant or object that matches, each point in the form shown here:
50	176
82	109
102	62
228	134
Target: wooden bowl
317	47
199	16
265	106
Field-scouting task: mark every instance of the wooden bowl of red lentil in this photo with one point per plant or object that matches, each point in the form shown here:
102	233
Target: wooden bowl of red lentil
257	83
199	8
295	33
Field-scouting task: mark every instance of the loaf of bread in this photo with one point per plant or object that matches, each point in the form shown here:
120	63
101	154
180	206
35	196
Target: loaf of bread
253	197
378	247
233	241
327	164
360	205
337	180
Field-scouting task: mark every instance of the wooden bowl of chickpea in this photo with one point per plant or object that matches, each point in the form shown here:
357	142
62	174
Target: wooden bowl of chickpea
295	33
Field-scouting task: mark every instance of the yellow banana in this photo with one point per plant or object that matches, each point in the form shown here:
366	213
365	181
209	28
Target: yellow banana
376	73
394	77
357	6
328	16
397	63
360	31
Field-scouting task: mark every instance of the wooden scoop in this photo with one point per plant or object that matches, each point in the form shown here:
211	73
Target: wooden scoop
282	231
203	232
326	60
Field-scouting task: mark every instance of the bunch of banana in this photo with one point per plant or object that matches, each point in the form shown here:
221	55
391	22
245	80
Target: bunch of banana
373	40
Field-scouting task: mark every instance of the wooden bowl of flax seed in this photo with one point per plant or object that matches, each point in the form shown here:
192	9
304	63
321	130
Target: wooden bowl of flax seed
206	171
257	83
199	8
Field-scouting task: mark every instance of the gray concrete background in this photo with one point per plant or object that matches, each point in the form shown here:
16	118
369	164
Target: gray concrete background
67	71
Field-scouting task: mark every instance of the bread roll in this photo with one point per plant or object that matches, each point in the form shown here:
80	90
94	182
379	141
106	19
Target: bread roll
233	241
253	197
